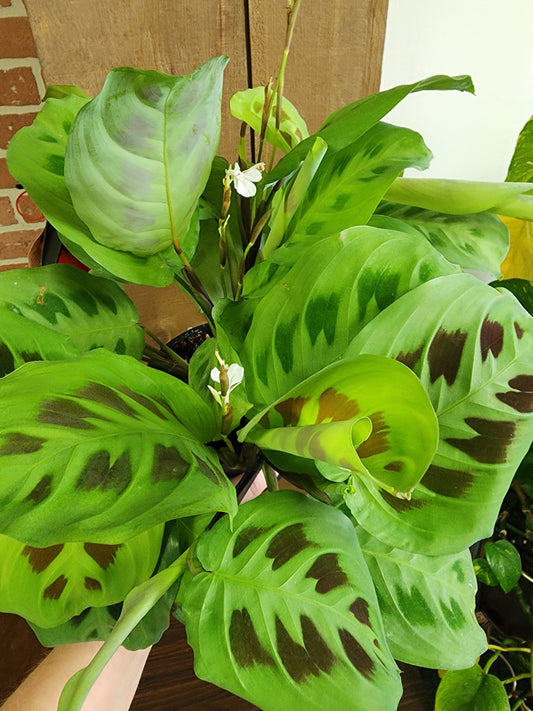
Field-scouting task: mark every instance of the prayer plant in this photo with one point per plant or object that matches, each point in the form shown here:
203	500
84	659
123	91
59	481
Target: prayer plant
350	353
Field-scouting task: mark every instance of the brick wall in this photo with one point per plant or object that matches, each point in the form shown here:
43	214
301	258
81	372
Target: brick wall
21	90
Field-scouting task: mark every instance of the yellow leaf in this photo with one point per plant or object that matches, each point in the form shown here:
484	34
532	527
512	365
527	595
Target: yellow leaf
519	260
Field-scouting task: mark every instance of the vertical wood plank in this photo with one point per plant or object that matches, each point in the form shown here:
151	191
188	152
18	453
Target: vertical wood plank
335	56
78	42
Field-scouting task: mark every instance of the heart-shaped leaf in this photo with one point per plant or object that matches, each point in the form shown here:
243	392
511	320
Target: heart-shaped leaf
427	604
369	415
471	690
139	155
471	346
50	585
66	312
101	448
290	606
504	562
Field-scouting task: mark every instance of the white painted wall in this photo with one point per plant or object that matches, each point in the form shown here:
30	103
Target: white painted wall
471	137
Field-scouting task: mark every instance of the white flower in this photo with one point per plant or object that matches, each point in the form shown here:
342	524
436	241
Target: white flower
244	179
228	377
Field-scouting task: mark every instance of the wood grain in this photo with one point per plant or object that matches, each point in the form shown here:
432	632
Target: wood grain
79	42
335	55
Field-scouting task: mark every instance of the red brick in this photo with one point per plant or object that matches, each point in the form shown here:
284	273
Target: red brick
28	209
6	267
6	179
18	87
16	38
11	123
17	243
7	214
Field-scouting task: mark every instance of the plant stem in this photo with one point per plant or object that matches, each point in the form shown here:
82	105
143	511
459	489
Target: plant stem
256	232
166	349
518	677
525	650
520	704
292	11
271	477
490	662
203	302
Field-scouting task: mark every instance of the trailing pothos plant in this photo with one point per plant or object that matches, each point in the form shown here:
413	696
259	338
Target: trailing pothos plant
350	352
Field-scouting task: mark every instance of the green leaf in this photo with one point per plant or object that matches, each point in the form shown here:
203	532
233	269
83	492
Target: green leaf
291	608
350	122
471	347
479	241
50	585
471	690
463	197
521	288
65	312
484	573
504	561
61	91
369	415
36	158
101	448
521	167
287	200
306	317
136	605
96	623
139	155
93	624
349	183
427	604
248	106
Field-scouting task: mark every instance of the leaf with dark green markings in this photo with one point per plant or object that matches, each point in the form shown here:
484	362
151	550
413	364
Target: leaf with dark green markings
291	608
50	585
479	241
349	183
101	448
427	604
471	346
306	318
350	122
70	312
